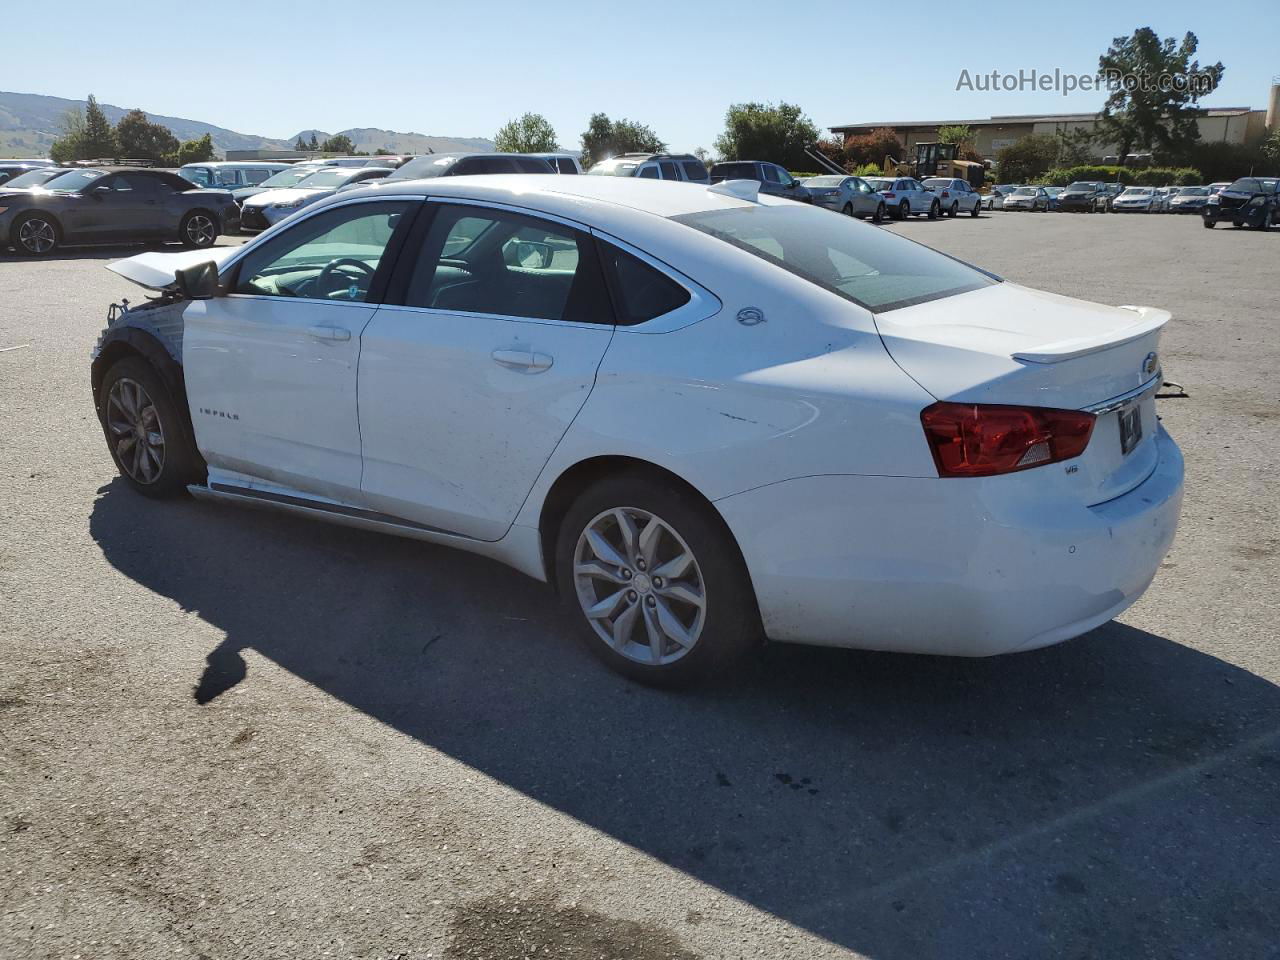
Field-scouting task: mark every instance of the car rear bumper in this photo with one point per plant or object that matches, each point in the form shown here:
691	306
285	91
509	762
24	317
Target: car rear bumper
949	567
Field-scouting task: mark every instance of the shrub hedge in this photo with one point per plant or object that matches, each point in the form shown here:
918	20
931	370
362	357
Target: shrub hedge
1134	176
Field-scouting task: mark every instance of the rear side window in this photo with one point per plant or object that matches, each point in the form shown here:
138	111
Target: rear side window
469	166
255	176
669	171
876	270
640	292
694	170
735	171
566	165
532	165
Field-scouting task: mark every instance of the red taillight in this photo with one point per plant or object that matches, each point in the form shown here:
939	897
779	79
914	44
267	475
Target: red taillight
945	193
889	194
982	439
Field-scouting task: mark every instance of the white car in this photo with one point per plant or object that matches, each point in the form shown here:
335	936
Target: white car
707	415
266	209
954	195
1136	200
1027	198
904	196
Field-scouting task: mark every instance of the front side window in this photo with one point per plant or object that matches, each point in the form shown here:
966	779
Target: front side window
771	173
876	270
694	170
200	176
331	256
510	265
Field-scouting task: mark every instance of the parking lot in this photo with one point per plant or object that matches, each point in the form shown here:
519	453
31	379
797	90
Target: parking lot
227	733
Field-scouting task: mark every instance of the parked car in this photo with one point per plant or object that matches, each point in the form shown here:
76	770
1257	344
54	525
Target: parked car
1027	198
105	204
904	196
995	199
16	168
852	196
1136	200
1250	200
653	166
289	177
269	208
680	524
1109	193
1189	200
230	175
1083	195
1055	195
469	164
562	162
774	180
33	178
954	195
1164	195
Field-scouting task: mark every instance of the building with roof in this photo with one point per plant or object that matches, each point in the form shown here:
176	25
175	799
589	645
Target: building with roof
993	134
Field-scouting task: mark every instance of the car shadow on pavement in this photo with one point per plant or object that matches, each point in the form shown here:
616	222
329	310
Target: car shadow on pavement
1113	796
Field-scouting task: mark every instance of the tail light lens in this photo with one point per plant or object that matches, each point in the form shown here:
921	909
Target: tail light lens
889	194
981	439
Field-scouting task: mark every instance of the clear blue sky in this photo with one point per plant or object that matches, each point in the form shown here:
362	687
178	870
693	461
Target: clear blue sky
462	69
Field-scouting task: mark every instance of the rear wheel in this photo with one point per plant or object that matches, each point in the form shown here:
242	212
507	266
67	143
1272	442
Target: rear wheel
655	581
1209	224
35	235
878	216
199	228
904	210
1237	223
848	210
1265	222
144	430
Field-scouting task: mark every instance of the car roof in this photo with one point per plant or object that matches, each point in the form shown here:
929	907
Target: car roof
569	196
238	163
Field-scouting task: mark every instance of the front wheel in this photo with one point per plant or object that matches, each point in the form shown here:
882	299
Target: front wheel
35	235
655	581
144	430
1209	224
935	210
1265	223
976	208
848	210
198	229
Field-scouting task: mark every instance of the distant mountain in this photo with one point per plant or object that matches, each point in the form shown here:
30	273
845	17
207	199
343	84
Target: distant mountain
30	122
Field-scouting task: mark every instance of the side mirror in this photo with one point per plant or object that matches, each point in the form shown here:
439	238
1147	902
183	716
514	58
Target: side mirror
531	255
199	282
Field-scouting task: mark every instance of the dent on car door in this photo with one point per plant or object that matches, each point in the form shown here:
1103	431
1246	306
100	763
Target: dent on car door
271	366
469	382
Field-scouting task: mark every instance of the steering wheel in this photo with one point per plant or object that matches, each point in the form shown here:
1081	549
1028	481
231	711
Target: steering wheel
325	281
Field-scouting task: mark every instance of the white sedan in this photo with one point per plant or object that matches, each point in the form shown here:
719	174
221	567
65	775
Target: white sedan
707	415
268	208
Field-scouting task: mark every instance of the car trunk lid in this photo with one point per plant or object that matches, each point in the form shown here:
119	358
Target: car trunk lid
1008	344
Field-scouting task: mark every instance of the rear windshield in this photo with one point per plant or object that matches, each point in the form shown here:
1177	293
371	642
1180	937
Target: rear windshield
873	268
1194	192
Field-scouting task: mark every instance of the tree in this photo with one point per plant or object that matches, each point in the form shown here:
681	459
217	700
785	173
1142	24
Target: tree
97	139
1076	146
338	144
314	145
606	138
762	131
531	133
301	145
196	151
383	152
140	139
872	147
66	147
703	154
960	134
1027	159
1148	107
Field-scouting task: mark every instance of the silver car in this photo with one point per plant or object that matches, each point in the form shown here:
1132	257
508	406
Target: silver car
1027	198
268	209
904	196
955	195
851	196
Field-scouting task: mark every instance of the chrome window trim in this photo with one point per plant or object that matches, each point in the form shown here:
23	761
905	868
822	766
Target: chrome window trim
1115	403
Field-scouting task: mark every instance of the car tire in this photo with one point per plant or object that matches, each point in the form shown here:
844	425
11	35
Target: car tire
145	432
35	234
199	229
955	209
935	210
626	615
976	207
878	216
848	210
1237	224
1265	222
904	210
1209	224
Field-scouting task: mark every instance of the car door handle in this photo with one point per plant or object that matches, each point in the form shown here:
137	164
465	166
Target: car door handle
526	361
323	332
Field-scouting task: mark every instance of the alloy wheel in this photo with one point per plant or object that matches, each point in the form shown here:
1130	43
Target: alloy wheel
37	236
201	230
135	429
639	586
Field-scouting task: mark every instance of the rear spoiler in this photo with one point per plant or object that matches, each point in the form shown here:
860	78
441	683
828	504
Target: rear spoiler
1149	320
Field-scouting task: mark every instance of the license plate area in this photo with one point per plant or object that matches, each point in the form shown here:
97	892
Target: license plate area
1130	427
